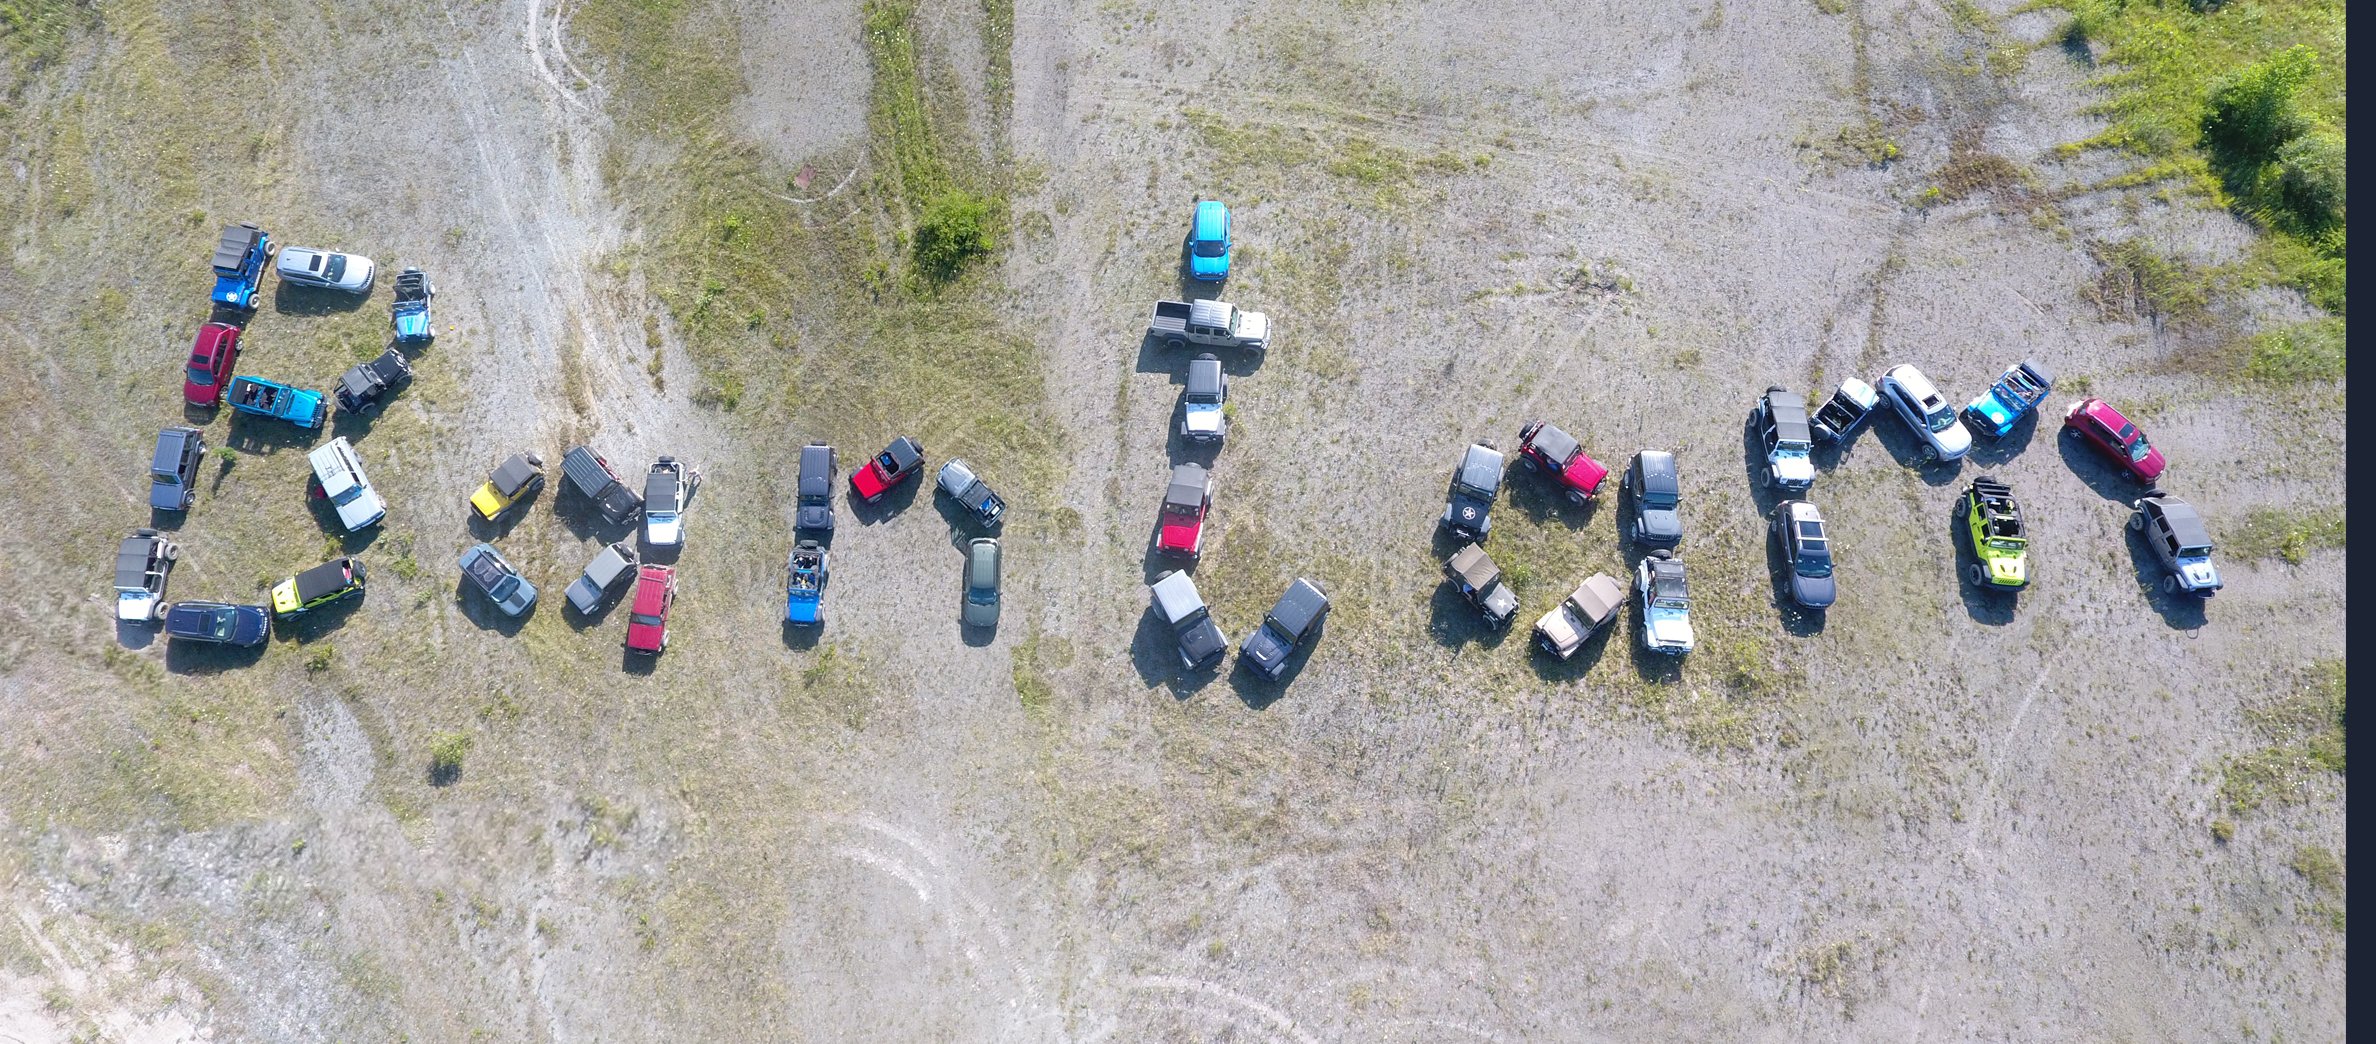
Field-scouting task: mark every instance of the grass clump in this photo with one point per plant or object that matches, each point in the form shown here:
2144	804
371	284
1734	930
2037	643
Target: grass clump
2311	351
2288	535
445	757
955	229
2318	865
2242	102
2305	732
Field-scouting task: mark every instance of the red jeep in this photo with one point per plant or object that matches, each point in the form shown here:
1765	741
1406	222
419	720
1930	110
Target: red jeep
2096	421
210	364
1543	447
1186	502
898	462
647	619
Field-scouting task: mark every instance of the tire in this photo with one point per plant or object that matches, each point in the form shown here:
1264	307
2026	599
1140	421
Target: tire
2136	522
1575	498
1529	463
1175	344
172	552
2170	585
1979	577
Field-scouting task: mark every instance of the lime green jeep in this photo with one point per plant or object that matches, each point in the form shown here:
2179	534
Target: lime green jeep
1999	543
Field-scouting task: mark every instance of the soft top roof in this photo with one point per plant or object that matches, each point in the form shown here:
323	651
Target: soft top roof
1301	605
1789	412
904	452
132	562
1189	483
1666	580
1175	596
1556	444
2186	524
325	578
1599	595
513	474
411	285
169	449
233	247
1481	467
1204	376
1208	313
1474	567
661	488
612	560
816	470
2034	371
1658	473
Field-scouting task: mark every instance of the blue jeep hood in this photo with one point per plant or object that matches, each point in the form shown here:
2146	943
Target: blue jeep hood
412	325
802	606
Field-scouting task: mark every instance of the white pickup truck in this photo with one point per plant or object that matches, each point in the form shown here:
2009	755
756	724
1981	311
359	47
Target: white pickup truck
1212	324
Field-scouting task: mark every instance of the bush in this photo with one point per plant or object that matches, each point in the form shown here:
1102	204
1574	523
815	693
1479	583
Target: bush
2252	114
2309	182
955	229
445	757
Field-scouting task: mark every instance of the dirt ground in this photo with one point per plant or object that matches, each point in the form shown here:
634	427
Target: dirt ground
1927	814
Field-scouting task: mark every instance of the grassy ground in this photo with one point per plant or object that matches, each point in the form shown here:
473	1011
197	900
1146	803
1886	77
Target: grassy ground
2172	58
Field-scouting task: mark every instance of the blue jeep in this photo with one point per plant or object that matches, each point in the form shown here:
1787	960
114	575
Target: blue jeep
412	307
305	409
804	597
239	260
2004	403
1208	242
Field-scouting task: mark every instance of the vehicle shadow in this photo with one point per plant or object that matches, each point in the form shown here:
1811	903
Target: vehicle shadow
1983	604
2182	611
1989	452
1180	449
648	553
200	416
501	525
291	299
637	664
1453	622
217	312
480	610
894	501
350	426
1654	667
1797	620
583	517
264	436
2100	475
1909	450
800	638
315	624
963	525
976	637
136	634
1156	656
1753	464
165	521
1156	357
1155	563
325	515
1543	498
199	659
1578	664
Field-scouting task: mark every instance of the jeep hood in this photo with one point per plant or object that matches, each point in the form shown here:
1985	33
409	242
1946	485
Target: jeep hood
1179	532
803	606
1202	418
1669	629
1661	524
1814	592
664	528
363	509
814	516
2009	571
2198	574
1558	632
1253	328
1266	648
1792	467
135	605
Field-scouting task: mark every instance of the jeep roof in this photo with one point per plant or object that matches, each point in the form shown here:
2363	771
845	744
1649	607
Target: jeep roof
1189	484
232	249
1298	608
1666	582
2184	522
1204	378
663	488
1789	415
1593	600
169	449
133	556
327	579
1658	477
1475	568
1176	597
1555	444
1480	468
514	473
816	470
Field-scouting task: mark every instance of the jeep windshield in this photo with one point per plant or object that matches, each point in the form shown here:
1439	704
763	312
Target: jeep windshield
2195	552
1210	248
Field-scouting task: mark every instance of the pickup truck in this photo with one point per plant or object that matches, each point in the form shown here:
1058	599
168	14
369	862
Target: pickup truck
958	480
239	260
2012	397
264	398
1212	324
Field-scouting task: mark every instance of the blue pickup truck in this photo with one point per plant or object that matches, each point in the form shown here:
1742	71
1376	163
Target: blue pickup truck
2013	395
305	409
239	260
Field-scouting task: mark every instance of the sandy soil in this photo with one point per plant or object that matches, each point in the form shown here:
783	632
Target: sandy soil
1930	814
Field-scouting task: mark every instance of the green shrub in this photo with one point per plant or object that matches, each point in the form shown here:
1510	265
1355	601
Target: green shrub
2308	180
955	229
2252	114
445	757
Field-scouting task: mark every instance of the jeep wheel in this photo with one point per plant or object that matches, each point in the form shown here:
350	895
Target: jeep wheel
2170	585
2137	521
1979	577
1575	498
1175	344
171	552
1529	463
